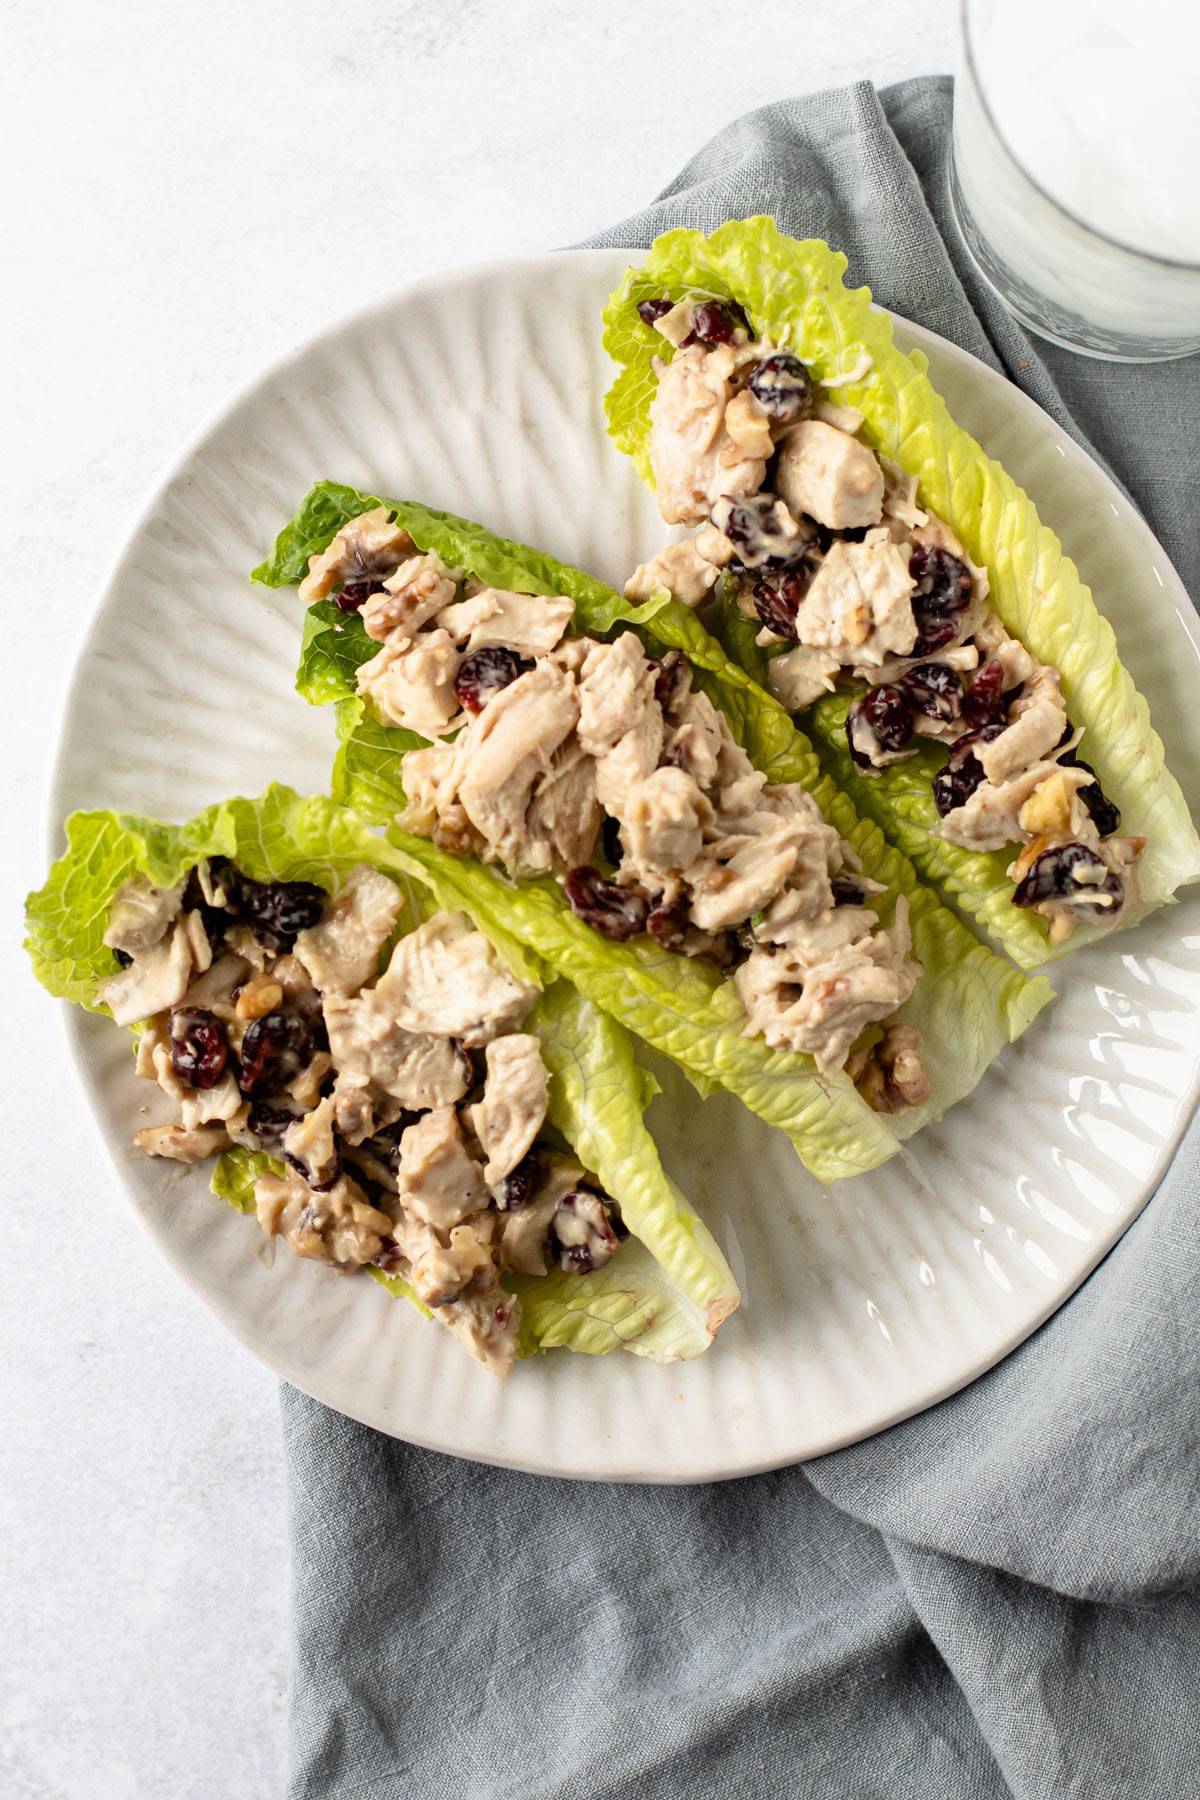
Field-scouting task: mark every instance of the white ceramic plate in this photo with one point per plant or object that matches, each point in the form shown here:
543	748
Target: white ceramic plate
480	392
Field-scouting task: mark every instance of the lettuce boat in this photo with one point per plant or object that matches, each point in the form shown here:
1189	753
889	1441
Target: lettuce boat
967	1006
666	1288
792	297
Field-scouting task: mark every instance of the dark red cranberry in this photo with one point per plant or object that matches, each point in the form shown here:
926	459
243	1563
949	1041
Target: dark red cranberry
715	322
520	1184
941	595
935	689
268	1123
782	386
650	311
1105	814
601	1240
777	603
847	892
671	678
276	911
483	673
354	595
390	1258
954	785
984	702
1071	873
330	1174
199	1047
668	921
881	720
274	1050
610	840
751	527
123	958
615	912
386	1142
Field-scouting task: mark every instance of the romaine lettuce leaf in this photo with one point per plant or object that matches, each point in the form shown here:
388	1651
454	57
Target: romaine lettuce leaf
795	295
970	1002
666	1290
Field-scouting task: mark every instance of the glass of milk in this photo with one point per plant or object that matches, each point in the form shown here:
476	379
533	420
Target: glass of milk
1076	171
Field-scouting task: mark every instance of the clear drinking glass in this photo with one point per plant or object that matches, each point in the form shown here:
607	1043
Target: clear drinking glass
1075	178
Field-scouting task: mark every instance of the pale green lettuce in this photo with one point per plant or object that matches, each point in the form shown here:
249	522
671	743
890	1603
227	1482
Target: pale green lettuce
970	1002
667	1289
794	294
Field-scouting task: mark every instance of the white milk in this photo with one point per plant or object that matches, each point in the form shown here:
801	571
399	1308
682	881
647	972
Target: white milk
1094	105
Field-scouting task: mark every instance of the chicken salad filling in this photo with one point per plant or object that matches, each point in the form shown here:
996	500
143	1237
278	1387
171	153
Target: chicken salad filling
387	1077
827	549
591	761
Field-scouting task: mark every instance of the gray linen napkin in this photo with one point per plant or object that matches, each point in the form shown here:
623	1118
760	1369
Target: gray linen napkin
1000	1597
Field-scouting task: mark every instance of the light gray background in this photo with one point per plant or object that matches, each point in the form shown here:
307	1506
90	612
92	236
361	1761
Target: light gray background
188	191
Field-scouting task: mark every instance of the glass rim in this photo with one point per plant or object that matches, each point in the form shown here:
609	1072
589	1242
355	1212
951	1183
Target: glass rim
1093	231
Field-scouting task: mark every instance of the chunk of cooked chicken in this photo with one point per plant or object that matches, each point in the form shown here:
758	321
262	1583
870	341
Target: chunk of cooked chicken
410	683
369	546
525	1229
141	914
1037	722
530	624
339	1225
181	1143
858	605
706	439
663	817
158	977
681	568
513	1108
565	812
437	1180
620	721
370	1045
310	1142
800	676
693	738
418	590
458	1280
340	951
830	476
449	979
499	759
819	990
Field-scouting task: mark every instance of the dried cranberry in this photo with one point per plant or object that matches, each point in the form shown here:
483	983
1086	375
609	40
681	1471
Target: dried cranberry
123	958
386	1142
668	920
847	892
274	1050
1071	873
610	840
753	528
584	1216
879	720
615	912
330	1176
935	689
715	322
354	595
519	1185
671	678
782	386
984	702
390	1258
268	1123
199	1047
954	785
483	673
777	602
942	593
650	311
1105	814
276	911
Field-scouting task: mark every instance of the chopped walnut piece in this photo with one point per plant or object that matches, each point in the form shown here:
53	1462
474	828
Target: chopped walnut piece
890	1077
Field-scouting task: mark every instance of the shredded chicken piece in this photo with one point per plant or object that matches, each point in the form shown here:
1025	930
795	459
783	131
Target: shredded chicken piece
663	819
180	1143
141	915
705	440
681	568
858	605
339	1225
513	1108
530	624
830	476
800	676
341	951
410	683
158	976
448	979
439	1182
366	547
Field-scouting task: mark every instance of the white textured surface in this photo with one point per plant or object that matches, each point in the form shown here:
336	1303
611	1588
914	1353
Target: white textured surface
189	191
